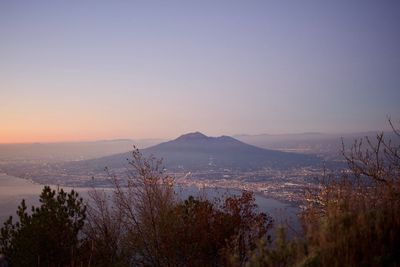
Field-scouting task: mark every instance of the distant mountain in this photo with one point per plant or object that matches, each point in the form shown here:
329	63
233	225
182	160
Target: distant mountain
196	151
70	151
310	143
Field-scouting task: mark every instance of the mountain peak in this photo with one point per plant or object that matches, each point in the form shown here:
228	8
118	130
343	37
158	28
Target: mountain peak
192	136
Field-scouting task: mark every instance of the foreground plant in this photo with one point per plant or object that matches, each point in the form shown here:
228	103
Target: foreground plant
350	221
146	224
48	235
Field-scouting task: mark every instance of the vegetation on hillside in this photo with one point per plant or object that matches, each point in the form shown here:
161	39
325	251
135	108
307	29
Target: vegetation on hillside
139	223
351	221
145	224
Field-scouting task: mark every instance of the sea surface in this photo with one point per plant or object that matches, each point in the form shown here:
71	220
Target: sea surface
14	189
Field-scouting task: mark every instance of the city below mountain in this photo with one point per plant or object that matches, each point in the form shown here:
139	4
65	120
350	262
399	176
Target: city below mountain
196	151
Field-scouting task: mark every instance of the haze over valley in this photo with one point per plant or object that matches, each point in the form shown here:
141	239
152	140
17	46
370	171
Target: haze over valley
193	159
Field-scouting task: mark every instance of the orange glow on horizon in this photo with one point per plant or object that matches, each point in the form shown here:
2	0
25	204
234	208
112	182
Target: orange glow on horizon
55	134
52	133
16	138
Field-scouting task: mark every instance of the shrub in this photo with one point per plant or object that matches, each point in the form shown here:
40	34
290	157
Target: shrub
351	221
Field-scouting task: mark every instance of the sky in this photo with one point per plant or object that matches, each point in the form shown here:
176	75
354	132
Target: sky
88	70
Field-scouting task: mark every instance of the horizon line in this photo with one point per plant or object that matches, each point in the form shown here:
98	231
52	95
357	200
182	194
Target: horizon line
71	141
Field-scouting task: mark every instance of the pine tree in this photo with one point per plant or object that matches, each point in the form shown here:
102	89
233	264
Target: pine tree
49	234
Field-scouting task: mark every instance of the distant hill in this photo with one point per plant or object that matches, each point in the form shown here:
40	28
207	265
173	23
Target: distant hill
196	151
310	143
70	151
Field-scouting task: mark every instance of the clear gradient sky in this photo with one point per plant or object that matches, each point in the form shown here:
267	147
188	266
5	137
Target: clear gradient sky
84	70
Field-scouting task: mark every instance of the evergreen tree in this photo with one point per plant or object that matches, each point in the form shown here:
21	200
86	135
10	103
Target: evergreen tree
49	234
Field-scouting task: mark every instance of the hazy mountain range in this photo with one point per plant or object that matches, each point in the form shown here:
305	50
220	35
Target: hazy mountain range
311	143
70	151
189	152
196	151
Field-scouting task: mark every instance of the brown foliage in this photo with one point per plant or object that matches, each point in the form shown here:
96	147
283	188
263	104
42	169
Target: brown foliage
350	221
355	221
147	225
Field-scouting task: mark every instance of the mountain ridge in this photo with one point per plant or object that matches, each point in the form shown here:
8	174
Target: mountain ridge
197	151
